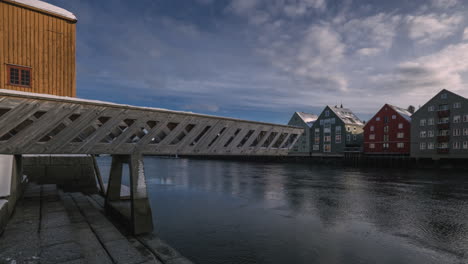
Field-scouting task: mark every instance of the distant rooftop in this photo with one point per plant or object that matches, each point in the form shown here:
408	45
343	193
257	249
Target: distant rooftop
403	112
309	119
46	7
346	115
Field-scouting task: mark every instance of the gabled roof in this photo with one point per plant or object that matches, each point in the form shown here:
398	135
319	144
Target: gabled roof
346	115
45	7
403	112
442	91
309	119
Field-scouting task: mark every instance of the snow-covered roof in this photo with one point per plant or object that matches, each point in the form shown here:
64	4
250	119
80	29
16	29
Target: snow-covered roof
346	115
309	119
46	7
403	112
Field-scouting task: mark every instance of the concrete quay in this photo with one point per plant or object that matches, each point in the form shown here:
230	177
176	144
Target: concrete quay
52	226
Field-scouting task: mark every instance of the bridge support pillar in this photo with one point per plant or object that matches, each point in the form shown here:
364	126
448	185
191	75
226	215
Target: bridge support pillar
136	211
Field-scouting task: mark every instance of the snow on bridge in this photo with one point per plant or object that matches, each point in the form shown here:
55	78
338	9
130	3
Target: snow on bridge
44	124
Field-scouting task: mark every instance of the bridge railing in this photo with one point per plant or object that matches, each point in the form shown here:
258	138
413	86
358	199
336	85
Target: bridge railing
39	124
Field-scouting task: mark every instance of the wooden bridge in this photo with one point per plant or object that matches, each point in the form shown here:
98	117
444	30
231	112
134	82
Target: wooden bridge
42	124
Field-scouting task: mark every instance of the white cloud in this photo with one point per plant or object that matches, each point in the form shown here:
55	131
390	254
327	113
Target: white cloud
426	29
465	34
301	7
315	55
243	7
368	51
444	3
428	74
370	35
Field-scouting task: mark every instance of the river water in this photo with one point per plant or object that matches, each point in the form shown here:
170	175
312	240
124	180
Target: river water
217	212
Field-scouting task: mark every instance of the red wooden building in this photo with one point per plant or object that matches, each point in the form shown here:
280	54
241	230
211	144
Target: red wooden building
388	132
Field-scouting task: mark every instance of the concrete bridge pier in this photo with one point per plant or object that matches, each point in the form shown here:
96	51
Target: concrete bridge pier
136	211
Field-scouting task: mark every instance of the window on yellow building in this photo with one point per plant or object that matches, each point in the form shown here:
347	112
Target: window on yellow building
19	76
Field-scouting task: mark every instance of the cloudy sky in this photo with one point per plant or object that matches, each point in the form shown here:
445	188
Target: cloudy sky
264	59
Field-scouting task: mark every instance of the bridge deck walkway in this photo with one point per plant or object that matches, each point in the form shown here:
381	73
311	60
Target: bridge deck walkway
49	226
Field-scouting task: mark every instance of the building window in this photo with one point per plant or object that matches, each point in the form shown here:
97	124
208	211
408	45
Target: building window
430	121
385	119
430	145
354	137
443	145
19	76
327	130
400	135
315	147
400	145
377	119
348	138
444	133
422	146
456	132
338	139
326	148
465	118
443	107
338	130
456	145
444	120
457	105
372	136
372	146
372	127
465	144
327	139
443	96
385	145
385	129
348	128
430	108
393	116
327	113
422	122
422	134
456	119
385	138
430	133
400	125
317	140
465	131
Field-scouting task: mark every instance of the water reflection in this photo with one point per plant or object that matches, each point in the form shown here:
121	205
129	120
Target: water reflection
239	212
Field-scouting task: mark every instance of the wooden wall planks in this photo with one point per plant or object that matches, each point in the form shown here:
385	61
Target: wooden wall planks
45	43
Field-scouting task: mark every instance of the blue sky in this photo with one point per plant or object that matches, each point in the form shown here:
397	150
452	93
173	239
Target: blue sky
264	59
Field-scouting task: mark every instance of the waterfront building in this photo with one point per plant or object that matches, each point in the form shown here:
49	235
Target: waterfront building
439	129
336	130
303	145
37	48
388	131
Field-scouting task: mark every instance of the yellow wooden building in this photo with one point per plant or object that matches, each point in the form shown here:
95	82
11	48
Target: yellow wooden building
37	48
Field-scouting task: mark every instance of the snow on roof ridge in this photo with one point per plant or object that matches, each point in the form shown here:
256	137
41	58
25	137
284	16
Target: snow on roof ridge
351	118
46	7
307	117
403	112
